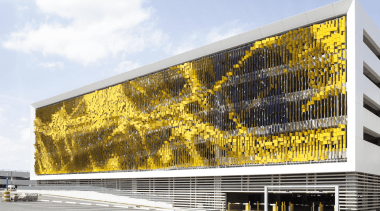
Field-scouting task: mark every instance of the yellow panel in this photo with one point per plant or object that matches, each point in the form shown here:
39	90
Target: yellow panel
280	99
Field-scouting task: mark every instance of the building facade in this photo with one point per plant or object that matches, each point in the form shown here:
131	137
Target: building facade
16	178
294	103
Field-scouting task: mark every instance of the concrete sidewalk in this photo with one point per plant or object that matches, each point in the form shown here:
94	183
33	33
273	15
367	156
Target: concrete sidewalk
91	198
102	198
60	204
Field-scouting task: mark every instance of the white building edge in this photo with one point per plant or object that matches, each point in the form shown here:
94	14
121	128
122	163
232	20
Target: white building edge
363	158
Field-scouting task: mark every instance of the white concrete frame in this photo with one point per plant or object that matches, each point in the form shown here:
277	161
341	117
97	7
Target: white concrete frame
336	187
340	8
367	154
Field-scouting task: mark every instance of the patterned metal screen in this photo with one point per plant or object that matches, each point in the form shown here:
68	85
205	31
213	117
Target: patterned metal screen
277	100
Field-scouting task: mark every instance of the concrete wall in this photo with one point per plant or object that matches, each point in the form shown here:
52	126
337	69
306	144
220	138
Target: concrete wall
367	154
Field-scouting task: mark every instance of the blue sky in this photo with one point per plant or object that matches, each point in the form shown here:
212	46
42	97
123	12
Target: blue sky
50	47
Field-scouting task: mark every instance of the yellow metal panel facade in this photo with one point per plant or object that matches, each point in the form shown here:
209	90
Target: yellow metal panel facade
280	99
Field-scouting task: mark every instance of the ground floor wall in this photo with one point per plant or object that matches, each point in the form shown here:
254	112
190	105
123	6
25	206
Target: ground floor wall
357	191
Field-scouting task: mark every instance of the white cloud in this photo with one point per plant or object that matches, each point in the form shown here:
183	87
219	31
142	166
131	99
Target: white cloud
22	8
225	31
25	135
215	34
8	145
24	119
2	118
52	65
187	46
8	158
14	163
96	29
14	98
15	151
126	66
190	43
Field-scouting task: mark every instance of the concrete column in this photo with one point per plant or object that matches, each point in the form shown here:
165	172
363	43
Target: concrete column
336	198
265	198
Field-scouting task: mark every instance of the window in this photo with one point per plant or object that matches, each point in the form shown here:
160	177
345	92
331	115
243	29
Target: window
371	44
371	75
372	107
370	138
